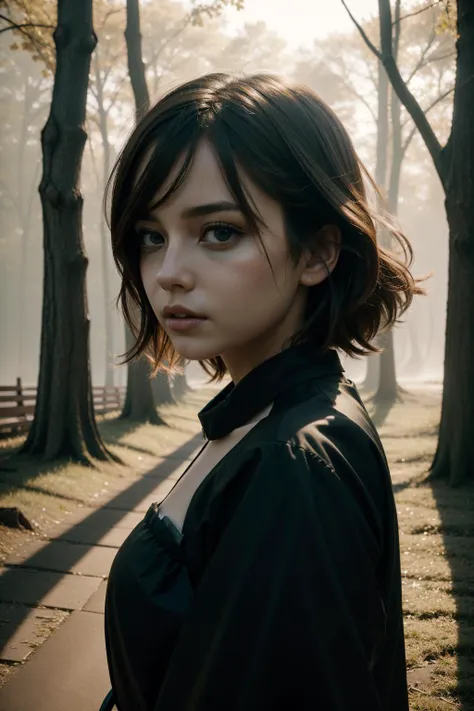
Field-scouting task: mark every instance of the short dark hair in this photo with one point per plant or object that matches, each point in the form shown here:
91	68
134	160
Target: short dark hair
293	146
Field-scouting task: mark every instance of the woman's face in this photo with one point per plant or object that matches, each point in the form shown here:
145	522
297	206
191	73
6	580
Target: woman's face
198	254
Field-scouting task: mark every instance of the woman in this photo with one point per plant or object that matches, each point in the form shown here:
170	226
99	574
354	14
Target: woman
269	576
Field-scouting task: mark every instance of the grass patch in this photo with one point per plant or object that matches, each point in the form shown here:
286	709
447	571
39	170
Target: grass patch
48	494
436	529
437	556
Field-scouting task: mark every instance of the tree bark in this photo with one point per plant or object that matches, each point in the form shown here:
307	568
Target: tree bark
455	166
454	457
139	404
388	389
372	374
136	67
109	373
415	361
139	400
372	377
161	387
180	385
27	184
64	423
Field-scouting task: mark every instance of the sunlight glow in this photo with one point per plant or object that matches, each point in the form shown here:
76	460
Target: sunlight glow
301	21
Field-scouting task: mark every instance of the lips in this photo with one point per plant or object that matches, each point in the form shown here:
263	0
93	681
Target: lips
181	312
179	318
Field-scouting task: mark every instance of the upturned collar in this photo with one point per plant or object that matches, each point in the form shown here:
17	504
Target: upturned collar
237	404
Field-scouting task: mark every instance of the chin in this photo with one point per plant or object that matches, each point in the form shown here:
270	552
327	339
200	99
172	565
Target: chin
195	351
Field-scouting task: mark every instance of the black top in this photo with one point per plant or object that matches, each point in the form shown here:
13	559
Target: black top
283	591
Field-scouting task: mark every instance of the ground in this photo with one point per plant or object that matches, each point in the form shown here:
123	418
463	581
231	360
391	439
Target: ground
436	531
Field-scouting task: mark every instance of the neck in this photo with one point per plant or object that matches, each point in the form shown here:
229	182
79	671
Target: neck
240	362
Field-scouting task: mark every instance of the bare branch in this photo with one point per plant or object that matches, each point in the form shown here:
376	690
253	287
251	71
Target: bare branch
93	91
114	96
93	156
440	57
173	36
401	89
15	26
421	61
110	13
363	34
348	84
427	110
398	29
20	27
417	12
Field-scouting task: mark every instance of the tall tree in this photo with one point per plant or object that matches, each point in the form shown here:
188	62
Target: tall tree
454	163
64	423
387	389
180	385
106	167
139	400
105	91
25	98
352	80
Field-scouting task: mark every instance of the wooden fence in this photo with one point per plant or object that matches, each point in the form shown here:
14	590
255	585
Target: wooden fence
17	405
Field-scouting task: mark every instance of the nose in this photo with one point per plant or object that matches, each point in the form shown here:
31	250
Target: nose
174	270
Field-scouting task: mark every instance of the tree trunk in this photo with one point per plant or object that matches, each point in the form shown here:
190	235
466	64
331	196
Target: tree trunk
109	373
455	453
180	386
139	400
372	378
27	184
139	404
372	374
454	457
382	128
415	360
388	388
24	210
64	423
136	68
162	389
455	166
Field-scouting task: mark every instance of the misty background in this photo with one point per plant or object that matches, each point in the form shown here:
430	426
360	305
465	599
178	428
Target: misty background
336	64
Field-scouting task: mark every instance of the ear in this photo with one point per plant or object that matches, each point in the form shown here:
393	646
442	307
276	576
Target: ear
317	263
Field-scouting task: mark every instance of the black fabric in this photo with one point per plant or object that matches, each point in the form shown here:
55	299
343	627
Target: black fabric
284	591
235	405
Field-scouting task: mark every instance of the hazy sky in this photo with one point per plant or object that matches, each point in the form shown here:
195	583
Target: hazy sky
300	21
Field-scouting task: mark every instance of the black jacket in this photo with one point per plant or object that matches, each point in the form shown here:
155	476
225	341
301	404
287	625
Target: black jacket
283	592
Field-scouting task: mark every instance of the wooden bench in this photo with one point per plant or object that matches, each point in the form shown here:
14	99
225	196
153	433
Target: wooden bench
17	405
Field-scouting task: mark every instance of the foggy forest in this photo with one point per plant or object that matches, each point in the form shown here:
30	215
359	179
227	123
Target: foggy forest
78	429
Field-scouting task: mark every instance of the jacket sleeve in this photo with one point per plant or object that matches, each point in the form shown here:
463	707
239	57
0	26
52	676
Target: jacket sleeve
287	614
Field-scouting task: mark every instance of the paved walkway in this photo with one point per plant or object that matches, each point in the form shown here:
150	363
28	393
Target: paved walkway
64	579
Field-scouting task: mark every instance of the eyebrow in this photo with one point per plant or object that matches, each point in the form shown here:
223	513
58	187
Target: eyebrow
209	208
201	210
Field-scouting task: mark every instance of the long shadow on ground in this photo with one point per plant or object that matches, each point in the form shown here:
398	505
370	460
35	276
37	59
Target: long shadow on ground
98	523
452	528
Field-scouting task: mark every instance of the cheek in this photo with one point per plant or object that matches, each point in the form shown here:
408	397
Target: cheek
250	278
244	278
